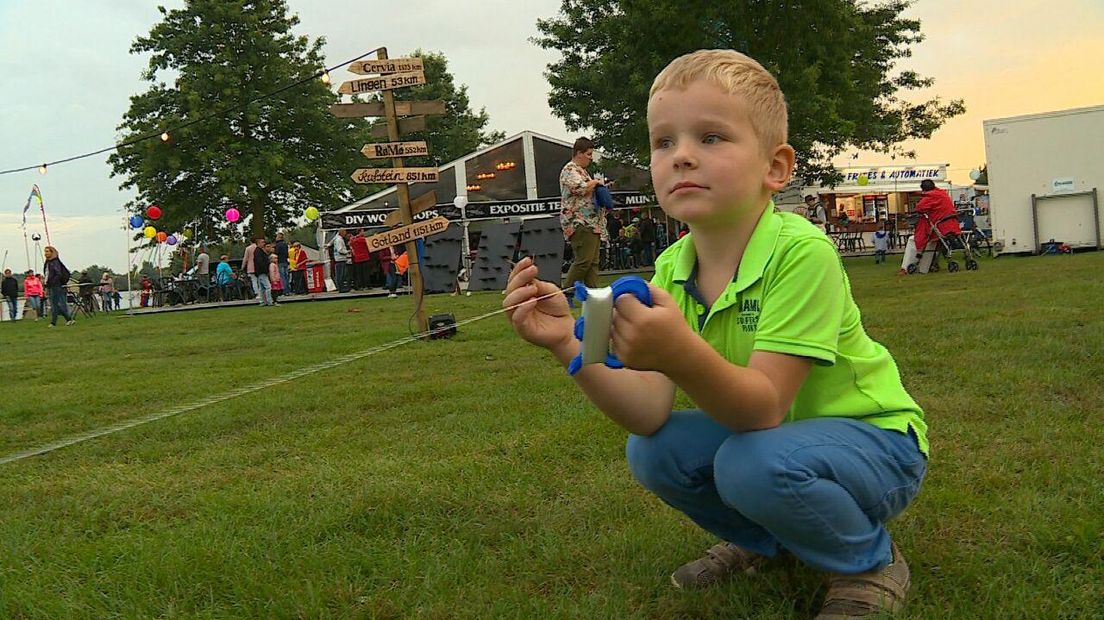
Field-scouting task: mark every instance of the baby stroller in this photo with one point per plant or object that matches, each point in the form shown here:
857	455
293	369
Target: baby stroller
942	243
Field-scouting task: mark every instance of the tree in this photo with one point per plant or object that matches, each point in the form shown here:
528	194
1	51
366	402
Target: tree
459	130
834	59
270	157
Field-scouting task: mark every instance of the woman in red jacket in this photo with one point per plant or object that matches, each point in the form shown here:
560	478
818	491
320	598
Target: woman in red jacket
937	204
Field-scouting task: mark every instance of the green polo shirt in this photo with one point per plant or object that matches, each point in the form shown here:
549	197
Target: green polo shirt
791	295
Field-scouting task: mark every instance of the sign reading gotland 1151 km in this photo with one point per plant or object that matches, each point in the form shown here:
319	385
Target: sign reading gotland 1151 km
406	234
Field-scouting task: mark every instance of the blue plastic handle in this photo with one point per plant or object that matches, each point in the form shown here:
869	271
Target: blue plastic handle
625	285
635	286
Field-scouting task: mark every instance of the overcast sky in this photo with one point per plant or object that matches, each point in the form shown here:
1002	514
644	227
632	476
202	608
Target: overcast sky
66	77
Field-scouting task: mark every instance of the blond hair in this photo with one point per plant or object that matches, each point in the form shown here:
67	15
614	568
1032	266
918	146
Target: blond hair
739	75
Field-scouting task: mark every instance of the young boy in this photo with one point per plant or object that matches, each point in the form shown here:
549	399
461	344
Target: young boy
881	244
805	440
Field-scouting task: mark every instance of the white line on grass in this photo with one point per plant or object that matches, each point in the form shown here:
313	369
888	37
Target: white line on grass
241	391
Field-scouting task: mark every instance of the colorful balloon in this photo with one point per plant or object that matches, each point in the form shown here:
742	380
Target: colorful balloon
188	233
863	179
171	240
153	212
311	213
150	232
162	236
232	215
136	221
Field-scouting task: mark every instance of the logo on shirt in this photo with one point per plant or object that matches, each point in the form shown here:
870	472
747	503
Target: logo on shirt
748	319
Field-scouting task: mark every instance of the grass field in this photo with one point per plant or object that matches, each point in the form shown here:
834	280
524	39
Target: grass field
468	478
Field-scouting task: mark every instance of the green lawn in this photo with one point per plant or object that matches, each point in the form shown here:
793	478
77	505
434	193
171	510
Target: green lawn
468	478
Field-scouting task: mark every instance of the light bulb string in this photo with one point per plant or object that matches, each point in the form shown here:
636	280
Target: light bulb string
217	113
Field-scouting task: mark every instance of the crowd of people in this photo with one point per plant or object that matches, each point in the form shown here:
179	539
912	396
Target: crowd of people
269	270
55	293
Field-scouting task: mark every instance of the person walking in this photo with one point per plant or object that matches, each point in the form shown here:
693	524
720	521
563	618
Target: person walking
57	276
581	219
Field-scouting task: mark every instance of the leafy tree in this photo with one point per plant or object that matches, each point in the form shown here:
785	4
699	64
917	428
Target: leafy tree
268	157
835	60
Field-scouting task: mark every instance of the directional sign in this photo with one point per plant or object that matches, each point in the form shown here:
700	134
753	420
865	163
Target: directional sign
402	235
395	149
395	175
391	65
384	82
406	125
375	108
419	204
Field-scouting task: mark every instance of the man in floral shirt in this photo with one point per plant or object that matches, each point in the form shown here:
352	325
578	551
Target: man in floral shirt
581	219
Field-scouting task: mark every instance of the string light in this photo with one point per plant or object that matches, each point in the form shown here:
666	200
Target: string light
323	74
326	77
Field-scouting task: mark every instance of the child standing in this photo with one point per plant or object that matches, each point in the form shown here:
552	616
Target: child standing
804	440
881	244
274	278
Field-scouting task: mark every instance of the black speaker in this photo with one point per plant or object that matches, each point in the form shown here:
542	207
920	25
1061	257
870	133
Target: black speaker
442	326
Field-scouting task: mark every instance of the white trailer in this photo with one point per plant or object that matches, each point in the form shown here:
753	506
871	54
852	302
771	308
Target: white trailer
1046	172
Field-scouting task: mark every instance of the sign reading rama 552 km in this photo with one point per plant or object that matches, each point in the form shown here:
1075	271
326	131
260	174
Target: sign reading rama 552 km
395	175
395	149
384	82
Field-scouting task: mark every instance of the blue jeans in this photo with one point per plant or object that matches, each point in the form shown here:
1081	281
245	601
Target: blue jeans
264	289
12	307
58	305
339	276
392	278
821	489
285	275
36	303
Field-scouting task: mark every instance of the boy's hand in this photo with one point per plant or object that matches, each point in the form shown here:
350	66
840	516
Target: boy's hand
547	323
649	338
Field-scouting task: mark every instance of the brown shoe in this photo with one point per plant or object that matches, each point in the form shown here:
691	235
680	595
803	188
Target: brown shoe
867	594
719	563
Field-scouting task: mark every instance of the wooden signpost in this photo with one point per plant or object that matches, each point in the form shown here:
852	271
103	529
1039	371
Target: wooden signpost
395	175
380	150
406	125
390	65
421	203
383	82
375	108
392	73
407	234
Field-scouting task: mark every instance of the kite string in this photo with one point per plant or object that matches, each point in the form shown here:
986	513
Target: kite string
256	387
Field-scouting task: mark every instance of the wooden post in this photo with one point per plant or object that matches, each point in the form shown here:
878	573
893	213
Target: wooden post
404	207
